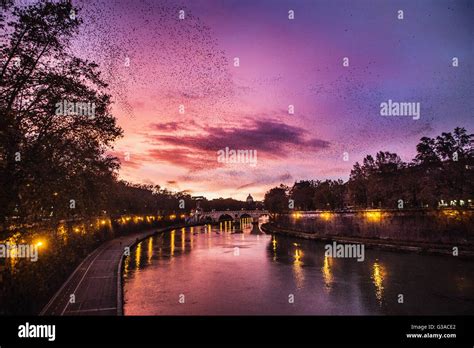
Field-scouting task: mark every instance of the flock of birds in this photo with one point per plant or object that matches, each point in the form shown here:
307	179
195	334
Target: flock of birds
152	49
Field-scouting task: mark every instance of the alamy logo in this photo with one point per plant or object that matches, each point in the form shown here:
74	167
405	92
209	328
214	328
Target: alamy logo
392	108
67	108
27	251
37	331
237	156
345	251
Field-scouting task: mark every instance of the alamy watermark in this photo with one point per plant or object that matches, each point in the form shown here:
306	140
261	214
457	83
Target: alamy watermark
237	156
37	331
392	108
336	250
68	108
27	251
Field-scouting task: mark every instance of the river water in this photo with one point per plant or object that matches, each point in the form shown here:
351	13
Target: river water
210	270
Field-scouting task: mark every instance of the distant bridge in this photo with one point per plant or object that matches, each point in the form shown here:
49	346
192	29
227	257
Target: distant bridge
221	215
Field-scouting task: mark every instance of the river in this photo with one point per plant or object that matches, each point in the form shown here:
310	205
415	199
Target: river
210	270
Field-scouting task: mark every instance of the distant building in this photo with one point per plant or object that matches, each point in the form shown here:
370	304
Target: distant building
197	212
250	202
198	200
249	199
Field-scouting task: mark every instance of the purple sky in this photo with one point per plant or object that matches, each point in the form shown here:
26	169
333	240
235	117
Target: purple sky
337	109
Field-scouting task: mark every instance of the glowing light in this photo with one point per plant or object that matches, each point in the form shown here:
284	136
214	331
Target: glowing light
62	232
172	216
298	268
172	242
103	222
150	250
138	254
183	239
378	276
451	213
125	266
373	216
298	254
327	273
39	244
182	216
297	215
326	216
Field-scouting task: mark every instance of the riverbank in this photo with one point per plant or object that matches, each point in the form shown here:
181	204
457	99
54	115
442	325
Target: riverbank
464	251
131	245
96	284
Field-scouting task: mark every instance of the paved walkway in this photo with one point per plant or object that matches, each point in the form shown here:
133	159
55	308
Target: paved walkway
97	282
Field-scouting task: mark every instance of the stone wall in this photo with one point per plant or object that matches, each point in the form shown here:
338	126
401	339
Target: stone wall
444	226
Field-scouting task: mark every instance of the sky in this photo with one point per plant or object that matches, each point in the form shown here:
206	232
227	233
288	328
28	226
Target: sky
180	98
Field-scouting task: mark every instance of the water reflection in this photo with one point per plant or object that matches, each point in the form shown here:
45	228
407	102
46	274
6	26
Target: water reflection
173	233
149	250
274	248
259	277
126	264
298	268
138	254
378	278
327	274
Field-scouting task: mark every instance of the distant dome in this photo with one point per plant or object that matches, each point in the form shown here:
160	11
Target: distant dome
249	198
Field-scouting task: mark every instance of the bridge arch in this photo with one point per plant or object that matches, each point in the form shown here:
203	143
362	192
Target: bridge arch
226	217
207	218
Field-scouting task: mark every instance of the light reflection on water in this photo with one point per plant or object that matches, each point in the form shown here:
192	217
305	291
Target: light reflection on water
298	268
173	233
138	254
378	276
327	275
201	263
150	250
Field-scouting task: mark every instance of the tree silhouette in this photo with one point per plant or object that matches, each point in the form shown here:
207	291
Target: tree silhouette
49	158
276	199
302	193
442	170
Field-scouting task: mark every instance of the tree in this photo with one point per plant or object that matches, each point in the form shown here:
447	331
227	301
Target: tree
276	199
329	194
358	186
51	158
444	167
426	152
302	193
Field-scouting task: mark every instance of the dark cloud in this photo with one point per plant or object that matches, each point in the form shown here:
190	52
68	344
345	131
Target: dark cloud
174	126
271	139
267	180
183	157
